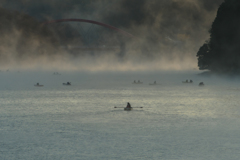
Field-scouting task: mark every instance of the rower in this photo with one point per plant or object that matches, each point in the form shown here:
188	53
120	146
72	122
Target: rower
128	105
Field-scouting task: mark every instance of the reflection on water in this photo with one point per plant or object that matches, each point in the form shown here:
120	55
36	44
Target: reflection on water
178	121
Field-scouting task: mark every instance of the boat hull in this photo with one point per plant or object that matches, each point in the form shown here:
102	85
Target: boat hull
65	84
128	109
187	82
38	85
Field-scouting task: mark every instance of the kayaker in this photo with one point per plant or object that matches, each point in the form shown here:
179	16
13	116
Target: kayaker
128	105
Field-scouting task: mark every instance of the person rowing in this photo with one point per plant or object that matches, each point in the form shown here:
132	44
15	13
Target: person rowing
128	105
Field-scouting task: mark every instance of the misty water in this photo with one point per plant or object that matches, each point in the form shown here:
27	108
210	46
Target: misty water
178	121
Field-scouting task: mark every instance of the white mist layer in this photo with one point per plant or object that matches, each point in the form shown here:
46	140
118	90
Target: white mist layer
102	63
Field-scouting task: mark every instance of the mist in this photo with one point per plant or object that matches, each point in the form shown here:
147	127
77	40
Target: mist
167	35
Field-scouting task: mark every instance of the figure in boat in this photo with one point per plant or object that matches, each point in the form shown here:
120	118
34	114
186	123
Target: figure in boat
154	83
190	81
38	85
68	83
137	82
128	107
56	73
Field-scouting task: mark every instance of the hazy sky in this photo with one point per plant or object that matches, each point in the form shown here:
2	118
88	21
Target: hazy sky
171	30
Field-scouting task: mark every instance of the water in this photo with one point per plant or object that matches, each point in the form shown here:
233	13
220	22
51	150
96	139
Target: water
178	121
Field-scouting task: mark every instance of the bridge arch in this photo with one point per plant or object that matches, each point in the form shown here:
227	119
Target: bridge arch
92	22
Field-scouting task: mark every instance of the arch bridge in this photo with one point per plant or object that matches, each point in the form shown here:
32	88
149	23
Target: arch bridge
92	39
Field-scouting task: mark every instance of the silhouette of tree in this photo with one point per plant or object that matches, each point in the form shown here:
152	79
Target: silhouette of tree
222	52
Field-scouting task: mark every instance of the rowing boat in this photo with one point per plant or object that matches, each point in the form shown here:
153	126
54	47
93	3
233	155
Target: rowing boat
153	84
137	83
38	85
128	108
67	84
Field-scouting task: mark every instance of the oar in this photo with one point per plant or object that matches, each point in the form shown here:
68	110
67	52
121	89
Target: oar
125	107
118	107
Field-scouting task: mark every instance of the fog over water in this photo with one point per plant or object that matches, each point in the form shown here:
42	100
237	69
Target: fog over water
101	63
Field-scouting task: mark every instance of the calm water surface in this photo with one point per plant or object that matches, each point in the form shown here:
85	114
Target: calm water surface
178	121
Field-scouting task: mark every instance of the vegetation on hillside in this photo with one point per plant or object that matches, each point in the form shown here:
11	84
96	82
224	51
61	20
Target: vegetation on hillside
221	53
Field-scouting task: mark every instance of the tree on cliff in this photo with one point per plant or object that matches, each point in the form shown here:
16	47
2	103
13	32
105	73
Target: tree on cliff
222	51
